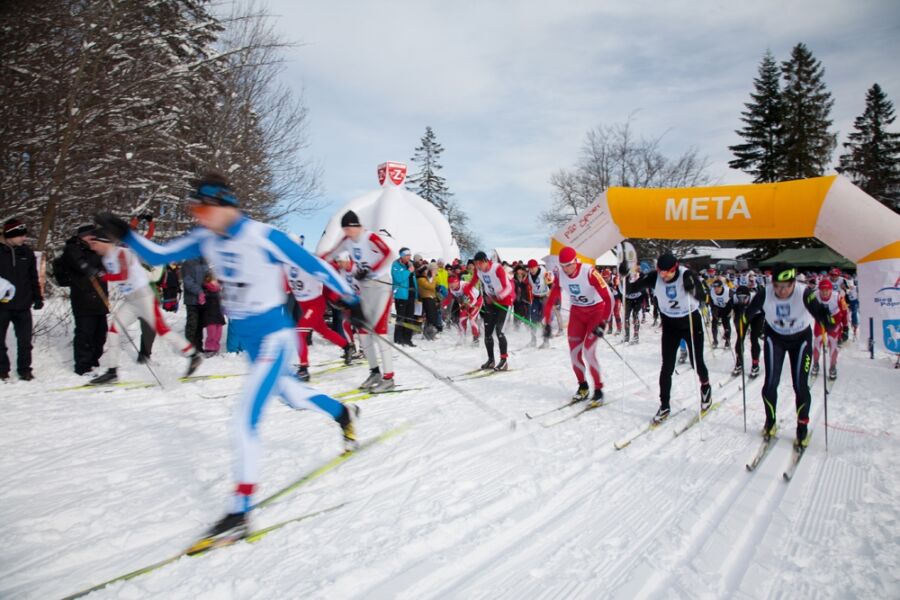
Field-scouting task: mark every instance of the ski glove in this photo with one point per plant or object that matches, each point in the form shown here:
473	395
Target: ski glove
598	330
38	304
362	273
115	226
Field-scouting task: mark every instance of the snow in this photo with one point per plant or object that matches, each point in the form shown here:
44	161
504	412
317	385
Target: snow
100	483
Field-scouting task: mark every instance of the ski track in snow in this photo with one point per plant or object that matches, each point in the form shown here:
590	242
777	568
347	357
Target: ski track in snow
458	506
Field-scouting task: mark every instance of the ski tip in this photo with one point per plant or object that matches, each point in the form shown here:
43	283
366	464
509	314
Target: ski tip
786	476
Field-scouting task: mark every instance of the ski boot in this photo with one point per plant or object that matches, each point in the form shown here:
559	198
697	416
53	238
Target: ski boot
635	339
597	400
737	370
488	366
384	385
726	343
661	415
545	344
476	341
715	344
754	370
705	396
358	354
230	528
582	392
769	430
111	376
26	375
303	373
682	357
627	337
348	427
373	378
815	369
502	366
802	441
348	354
196	359
832	373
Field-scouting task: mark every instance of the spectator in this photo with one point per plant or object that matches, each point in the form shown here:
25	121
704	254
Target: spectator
405	294
18	266
193	274
76	268
170	288
212	317
428	296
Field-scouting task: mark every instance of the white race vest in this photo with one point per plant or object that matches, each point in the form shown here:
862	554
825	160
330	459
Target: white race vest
304	286
581	292
719	300
788	316
137	276
832	303
674	301
539	288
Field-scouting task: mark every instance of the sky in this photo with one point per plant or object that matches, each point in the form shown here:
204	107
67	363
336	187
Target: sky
512	88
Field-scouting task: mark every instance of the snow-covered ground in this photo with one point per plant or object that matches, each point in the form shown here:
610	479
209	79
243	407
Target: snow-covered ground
99	483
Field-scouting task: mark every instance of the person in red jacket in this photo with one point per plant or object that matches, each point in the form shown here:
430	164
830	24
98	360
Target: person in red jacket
591	303
498	292
470	304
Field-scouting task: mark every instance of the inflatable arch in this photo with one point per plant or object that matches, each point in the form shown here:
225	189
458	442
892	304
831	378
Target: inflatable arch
829	208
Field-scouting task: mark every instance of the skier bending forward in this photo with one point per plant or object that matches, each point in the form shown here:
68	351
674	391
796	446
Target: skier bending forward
249	259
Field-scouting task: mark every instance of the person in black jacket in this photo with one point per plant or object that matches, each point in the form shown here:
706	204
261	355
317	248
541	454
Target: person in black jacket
18	265
74	269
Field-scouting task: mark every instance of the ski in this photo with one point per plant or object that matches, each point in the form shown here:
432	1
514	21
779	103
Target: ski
143	384
591	405
366	394
761	453
478	374
696	418
556	409
644	429
252	537
796	454
330	465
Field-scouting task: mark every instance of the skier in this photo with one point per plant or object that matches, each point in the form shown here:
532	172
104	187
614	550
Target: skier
249	258
837	307
678	294
341	314
498	293
591	305
720	300
470	304
139	302
741	300
373	259
634	303
789	311
540	280
309	293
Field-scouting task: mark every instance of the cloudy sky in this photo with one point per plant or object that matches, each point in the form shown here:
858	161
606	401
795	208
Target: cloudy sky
511	88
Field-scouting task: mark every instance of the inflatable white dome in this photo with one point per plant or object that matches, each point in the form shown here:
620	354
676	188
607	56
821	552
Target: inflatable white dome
401	217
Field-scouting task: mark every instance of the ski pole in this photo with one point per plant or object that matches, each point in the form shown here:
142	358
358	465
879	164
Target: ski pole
115	317
443	378
743	374
825	381
694	361
627	364
528	322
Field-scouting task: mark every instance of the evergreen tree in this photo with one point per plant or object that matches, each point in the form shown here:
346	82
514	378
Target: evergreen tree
806	103
432	187
760	154
873	157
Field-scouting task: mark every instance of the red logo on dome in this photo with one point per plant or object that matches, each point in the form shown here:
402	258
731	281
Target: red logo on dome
395	171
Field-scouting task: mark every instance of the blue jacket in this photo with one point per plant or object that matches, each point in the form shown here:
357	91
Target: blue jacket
403	279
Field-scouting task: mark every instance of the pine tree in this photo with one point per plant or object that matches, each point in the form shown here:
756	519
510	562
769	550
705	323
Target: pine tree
873	157
432	187
807	106
760	154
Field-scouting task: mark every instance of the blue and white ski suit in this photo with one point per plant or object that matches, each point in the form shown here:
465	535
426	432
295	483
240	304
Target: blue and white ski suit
249	260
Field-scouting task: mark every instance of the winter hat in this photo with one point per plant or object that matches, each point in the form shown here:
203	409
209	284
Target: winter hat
785	273
85	230
14	228
532	263
567	255
452	279
825	284
479	256
350	220
101	235
666	261
213	189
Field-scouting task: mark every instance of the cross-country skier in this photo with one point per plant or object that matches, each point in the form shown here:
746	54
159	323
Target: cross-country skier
309	292
248	257
498	293
837	307
720	301
373	259
789	312
634	303
741	300
591	303
678	294
139	302
470	303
